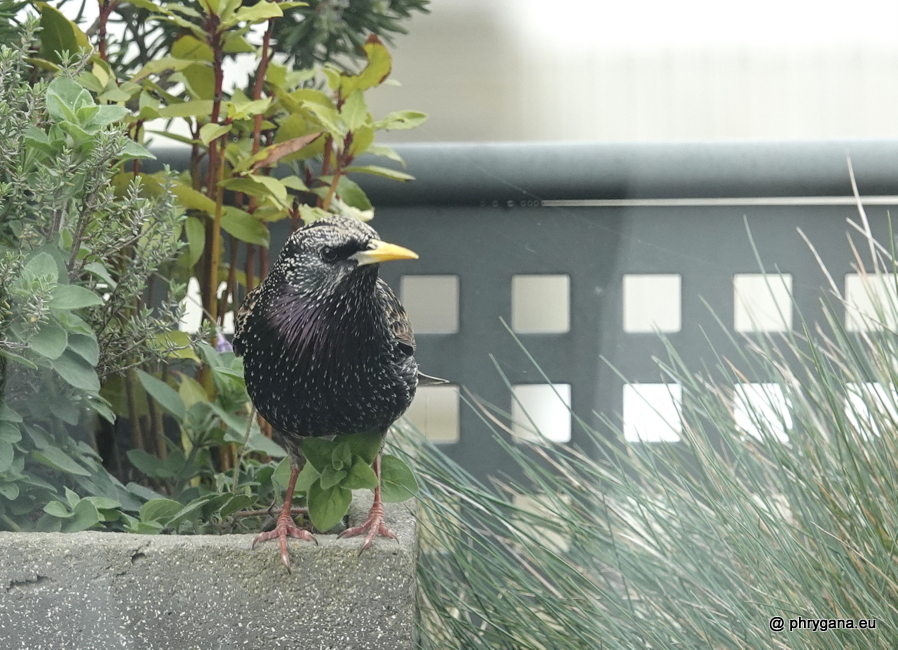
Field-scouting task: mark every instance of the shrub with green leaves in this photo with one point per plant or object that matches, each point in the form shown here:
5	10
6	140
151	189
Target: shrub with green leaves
75	260
192	436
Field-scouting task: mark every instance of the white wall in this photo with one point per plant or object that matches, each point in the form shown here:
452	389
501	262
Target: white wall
648	70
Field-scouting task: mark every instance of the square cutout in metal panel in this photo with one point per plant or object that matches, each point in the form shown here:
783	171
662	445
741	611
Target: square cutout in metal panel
652	303
652	412
762	303
871	408
543	408
762	410
540	304
872	301
435	412
431	302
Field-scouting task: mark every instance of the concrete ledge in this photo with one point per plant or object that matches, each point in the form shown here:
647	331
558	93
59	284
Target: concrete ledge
90	590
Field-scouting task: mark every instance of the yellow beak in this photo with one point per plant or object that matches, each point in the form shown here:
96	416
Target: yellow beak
381	251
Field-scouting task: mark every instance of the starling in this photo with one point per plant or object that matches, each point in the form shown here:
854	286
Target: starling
327	350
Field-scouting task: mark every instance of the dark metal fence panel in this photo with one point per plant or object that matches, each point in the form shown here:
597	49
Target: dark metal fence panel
602	215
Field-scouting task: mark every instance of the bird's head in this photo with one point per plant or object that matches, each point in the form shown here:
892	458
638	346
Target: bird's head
331	252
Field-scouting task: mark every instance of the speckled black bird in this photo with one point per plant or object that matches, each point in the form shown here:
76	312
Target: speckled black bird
328	349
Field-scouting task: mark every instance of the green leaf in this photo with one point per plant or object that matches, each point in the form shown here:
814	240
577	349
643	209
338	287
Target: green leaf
57	459
258	186
43	265
281	474
191	391
85	346
307	476
195	108
401	120
9	431
133	150
7	454
191	48
236	424
72	497
59	34
160	510
236	43
379	64
386	152
99	269
259	12
235	504
318	452
76	371
294	183
176	344
397	483
259	442
167	396
362	141
341	458
9	491
244	226
190	511
85	516
15	358
50	341
9	415
241	110
65	410
331	477
377	69
365	445
105	115
328	507
354	111
146	463
321	107
196	239
199	81
377	170
361	476
103	503
192	199
352	194
210	132
57	509
170	63
70	296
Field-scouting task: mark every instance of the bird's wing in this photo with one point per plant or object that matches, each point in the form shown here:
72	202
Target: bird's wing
243	315
396	317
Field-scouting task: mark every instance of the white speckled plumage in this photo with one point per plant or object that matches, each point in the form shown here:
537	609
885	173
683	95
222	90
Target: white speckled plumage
327	347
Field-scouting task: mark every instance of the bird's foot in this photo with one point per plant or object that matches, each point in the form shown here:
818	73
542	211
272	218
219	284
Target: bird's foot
373	526
285	528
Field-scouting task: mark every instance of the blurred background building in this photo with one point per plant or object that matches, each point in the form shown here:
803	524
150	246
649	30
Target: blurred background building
647	70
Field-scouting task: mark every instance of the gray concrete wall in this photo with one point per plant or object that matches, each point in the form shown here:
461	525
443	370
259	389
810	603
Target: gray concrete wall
104	591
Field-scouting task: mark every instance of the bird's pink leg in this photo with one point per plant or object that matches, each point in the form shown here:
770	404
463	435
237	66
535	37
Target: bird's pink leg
285	526
374	524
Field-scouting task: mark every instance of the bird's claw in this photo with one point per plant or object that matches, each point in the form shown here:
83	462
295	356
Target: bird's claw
374	525
285	528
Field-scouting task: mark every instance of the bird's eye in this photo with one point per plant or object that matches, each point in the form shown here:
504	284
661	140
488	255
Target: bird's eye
328	254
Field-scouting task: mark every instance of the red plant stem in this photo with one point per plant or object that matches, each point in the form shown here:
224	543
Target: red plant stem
216	164
260	81
106	8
